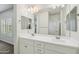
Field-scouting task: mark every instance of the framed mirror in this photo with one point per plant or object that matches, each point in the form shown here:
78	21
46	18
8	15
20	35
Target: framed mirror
72	20
48	21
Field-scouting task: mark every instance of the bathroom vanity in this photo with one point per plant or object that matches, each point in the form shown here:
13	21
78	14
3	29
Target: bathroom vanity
40	44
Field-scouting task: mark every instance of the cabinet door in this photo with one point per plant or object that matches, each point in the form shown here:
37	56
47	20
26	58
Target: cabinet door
26	49
60	49
26	46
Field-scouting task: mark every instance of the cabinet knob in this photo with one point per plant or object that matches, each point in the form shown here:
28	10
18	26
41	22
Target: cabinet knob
25	46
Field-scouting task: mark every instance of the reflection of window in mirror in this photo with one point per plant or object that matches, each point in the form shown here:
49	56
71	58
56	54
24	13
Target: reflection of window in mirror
25	22
6	25
71	20
2	26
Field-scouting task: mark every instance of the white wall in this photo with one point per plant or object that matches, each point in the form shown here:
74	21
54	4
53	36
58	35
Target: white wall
20	10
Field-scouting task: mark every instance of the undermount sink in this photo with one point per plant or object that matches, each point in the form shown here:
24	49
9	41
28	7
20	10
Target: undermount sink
58	40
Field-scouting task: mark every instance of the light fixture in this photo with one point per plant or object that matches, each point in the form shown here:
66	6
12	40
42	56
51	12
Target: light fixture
33	9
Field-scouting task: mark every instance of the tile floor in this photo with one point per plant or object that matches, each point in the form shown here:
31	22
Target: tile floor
6	48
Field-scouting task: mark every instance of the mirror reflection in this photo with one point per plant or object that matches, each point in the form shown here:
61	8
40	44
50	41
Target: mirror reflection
25	22
49	20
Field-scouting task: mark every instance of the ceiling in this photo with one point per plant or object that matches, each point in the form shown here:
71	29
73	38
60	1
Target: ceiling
4	7
38	5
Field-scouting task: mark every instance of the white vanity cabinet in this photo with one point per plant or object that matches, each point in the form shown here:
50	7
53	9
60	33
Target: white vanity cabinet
29	46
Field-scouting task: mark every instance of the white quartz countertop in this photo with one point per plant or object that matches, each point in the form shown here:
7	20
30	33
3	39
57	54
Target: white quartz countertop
52	39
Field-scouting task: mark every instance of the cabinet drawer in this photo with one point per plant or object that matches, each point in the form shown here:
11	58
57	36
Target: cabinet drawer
51	52
38	44
26	41
26	46
38	50
59	48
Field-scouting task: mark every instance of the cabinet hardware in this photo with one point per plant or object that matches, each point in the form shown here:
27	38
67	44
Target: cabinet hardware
25	46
